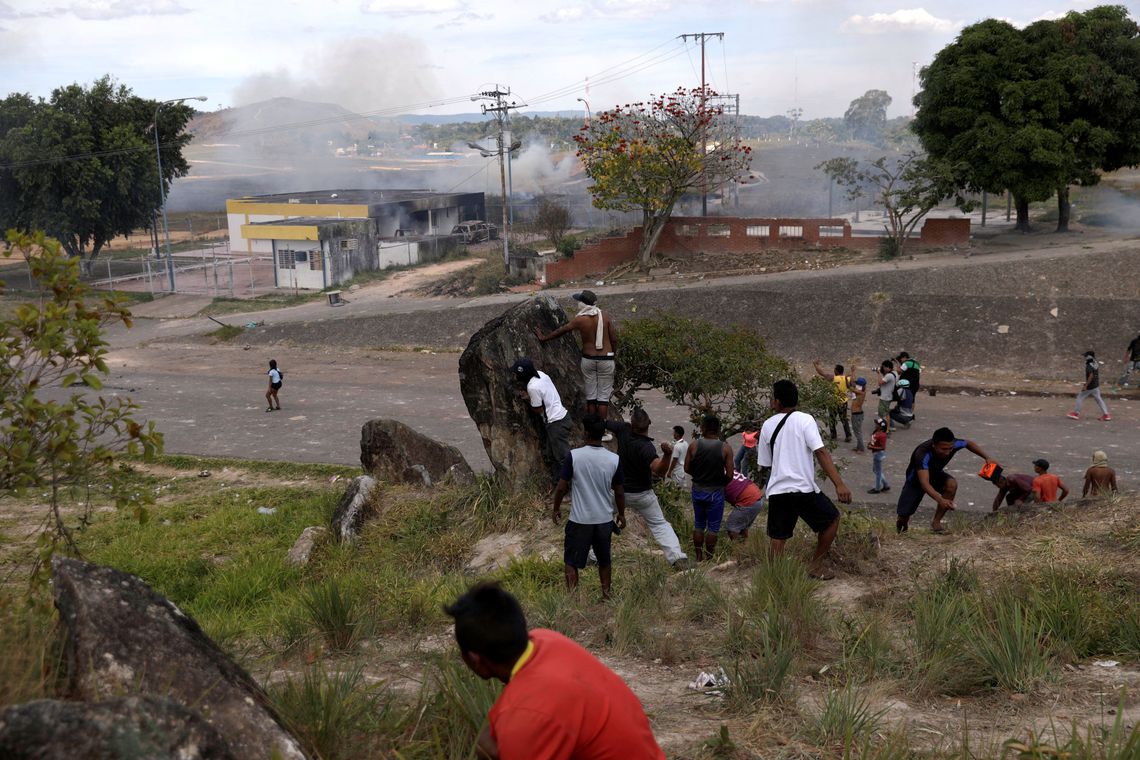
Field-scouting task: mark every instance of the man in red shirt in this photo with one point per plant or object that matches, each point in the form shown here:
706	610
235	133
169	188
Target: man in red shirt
559	702
1046	485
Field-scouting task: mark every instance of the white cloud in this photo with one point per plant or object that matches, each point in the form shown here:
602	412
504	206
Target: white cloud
902	20
112	9
404	8
609	9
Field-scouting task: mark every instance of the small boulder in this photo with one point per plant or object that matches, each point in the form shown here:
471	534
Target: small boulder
494	553
117	729
355	508
298	555
395	453
123	637
513	436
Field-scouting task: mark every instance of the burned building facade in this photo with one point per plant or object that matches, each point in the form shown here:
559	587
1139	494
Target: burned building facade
321	238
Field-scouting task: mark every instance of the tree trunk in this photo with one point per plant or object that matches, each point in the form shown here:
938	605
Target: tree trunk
1022	213
653	226
1064	209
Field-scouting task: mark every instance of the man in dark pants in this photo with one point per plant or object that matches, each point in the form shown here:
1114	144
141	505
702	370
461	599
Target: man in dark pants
790	444
543	399
640	462
590	474
925	476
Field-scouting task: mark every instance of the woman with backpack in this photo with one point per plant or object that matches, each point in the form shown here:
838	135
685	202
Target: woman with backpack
276	376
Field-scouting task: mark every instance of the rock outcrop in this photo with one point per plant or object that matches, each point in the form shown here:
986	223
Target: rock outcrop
512	435
117	729
392	452
124	638
354	509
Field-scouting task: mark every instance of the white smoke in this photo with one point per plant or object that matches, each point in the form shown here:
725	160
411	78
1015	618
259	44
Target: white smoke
361	74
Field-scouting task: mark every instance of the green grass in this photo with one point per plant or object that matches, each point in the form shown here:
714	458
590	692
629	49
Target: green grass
335	715
227	332
845	717
276	300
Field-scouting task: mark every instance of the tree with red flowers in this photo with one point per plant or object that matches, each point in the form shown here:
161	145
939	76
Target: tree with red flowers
645	156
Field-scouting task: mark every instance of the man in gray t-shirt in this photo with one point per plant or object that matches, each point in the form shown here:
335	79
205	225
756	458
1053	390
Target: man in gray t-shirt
593	477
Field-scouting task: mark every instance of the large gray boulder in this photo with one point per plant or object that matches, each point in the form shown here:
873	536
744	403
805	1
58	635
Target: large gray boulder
512	435
392	452
118	729
356	507
124	638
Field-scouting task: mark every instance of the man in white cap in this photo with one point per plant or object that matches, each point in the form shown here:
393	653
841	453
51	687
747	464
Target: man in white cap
599	343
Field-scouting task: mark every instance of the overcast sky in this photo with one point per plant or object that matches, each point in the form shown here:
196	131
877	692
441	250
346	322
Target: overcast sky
402	55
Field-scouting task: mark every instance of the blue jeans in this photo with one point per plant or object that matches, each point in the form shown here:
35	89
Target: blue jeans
877	468
743	460
708	510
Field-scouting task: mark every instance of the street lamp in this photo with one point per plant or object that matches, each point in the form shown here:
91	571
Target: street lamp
161	186
589	113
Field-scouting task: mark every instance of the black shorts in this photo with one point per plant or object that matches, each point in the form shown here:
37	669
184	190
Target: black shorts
581	538
275	386
784	509
911	494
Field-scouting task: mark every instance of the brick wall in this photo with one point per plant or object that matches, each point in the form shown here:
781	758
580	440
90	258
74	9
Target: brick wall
945	232
684	235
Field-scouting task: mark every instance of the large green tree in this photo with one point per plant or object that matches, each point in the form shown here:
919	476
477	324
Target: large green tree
866	117
81	165
1035	110
645	156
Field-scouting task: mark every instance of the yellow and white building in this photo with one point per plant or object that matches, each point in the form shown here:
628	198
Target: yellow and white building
321	238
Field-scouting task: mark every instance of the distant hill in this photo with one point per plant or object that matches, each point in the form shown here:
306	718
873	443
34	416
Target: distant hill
288	124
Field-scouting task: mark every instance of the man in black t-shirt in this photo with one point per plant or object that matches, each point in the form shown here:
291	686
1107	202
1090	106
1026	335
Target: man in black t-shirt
926	476
1131	360
640	462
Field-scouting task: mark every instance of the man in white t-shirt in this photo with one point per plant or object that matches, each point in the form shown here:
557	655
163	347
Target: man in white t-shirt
676	472
544	400
791	445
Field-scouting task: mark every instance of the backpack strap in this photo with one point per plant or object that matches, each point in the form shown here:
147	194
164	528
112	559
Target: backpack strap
776	432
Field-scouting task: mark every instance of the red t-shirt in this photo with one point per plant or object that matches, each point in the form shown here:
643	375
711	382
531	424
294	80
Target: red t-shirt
1046	486
563	704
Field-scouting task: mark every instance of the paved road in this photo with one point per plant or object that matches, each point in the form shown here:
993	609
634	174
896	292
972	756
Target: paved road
208	400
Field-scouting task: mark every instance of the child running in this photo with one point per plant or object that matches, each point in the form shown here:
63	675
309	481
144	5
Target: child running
878	447
274	386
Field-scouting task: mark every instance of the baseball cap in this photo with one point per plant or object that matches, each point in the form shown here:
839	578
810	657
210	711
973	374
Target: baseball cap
1042	463
860	381
586	296
523	366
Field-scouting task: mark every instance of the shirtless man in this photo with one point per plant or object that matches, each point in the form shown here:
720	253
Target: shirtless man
1100	479
599	342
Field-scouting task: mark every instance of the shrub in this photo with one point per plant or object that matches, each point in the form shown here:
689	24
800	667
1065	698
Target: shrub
337	615
845	716
1008	642
331	713
567	246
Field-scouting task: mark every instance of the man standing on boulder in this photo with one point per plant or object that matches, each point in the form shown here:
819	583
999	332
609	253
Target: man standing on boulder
599	344
590	474
544	400
640	462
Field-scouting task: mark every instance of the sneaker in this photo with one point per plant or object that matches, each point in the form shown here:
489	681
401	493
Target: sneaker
1106	418
1074	416
874	490
682	564
886	488
270	409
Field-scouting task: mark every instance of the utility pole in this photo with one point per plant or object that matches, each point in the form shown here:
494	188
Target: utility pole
501	109
702	36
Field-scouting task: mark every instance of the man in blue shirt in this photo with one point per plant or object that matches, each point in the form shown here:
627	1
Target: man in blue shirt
926	476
